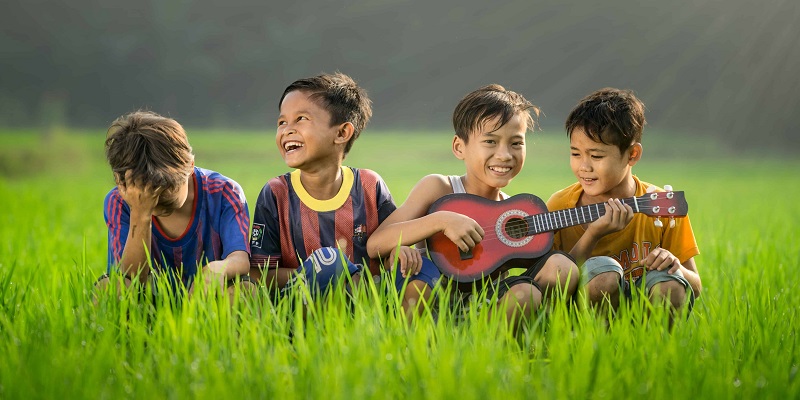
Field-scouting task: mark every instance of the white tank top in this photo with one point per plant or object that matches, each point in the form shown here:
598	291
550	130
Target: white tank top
458	186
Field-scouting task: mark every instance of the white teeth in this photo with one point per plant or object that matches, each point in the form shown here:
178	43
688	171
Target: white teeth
289	146
500	169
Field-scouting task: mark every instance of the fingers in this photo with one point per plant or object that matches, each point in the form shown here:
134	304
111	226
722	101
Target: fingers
415	261
470	238
661	259
617	216
408	260
676	266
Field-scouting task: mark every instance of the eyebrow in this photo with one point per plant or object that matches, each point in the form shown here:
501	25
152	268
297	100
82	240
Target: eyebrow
306	112
591	149
494	135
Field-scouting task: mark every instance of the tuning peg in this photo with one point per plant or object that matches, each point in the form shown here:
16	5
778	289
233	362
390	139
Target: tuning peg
668	188
658	222
651	189
671	222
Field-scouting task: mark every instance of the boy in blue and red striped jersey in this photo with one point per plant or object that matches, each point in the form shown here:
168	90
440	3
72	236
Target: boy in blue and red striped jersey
303	218
189	220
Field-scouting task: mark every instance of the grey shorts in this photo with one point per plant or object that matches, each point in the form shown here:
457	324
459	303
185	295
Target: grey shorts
598	265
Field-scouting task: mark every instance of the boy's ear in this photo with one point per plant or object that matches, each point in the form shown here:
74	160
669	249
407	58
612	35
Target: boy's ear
636	154
345	133
458	147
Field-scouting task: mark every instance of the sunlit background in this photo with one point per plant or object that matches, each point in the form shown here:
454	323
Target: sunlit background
725	69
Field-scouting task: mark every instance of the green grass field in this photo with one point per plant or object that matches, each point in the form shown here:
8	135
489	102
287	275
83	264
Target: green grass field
739	342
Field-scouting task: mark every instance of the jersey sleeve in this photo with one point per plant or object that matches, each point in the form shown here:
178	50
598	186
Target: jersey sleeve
117	217
265	243
234	220
385	202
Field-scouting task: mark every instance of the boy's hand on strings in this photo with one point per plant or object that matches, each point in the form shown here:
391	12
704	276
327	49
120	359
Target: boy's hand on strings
661	259
463	231
408	259
618	215
140	197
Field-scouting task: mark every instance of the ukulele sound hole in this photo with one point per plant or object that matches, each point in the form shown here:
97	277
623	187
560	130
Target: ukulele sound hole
516	228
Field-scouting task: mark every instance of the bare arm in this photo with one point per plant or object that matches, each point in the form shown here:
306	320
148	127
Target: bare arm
410	223
142	201
235	264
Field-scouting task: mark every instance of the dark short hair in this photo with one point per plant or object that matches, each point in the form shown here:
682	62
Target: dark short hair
611	116
341	96
486	103
153	147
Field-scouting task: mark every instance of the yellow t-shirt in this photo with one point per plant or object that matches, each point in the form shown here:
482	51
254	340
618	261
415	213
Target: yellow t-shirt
631	245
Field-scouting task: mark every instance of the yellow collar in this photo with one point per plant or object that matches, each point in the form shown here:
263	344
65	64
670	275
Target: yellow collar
324	205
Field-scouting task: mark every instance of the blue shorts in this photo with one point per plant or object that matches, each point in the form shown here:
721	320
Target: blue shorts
598	265
327	265
428	274
322	270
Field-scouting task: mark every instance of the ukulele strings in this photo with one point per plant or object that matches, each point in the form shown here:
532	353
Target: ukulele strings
519	228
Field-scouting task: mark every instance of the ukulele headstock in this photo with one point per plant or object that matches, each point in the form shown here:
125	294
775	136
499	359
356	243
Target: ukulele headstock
668	203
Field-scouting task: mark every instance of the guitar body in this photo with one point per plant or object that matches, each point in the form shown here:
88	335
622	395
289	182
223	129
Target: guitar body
506	238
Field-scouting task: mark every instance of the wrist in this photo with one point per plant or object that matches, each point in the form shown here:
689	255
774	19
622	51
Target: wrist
140	217
214	268
440	221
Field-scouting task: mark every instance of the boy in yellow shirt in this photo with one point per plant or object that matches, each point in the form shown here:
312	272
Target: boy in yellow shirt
621	248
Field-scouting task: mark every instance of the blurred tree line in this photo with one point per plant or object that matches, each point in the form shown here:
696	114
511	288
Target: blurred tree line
724	68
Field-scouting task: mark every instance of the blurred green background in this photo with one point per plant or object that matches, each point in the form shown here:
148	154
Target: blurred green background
726	69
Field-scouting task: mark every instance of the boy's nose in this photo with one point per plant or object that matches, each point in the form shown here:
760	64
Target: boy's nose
503	154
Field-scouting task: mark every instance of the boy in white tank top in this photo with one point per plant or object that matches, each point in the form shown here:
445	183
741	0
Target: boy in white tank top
490	125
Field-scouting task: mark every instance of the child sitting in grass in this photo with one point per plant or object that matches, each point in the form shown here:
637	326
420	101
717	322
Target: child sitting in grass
490	125
316	219
620	249
167	217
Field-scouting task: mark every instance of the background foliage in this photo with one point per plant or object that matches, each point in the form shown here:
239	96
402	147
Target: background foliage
710	67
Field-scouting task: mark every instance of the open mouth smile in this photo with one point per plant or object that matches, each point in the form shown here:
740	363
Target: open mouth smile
292	146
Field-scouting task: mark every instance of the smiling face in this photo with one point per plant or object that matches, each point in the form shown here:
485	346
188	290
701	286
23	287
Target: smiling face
305	137
493	157
603	171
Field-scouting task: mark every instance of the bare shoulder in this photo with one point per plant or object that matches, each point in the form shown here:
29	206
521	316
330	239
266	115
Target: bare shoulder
429	189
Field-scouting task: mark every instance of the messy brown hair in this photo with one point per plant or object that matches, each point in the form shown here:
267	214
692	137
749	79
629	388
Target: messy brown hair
486	103
341	96
609	116
153	147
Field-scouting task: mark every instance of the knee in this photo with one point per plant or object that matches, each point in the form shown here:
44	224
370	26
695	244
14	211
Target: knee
524	295
106	282
560	268
565	267
604	284
670	291
245	287
102	283
416	291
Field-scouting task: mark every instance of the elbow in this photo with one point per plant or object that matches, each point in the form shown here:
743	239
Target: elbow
373	250
697	290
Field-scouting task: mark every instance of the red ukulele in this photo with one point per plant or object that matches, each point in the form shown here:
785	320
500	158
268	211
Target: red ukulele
521	228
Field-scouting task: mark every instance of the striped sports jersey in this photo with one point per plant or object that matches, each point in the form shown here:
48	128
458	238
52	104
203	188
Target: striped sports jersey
289	224
219	226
